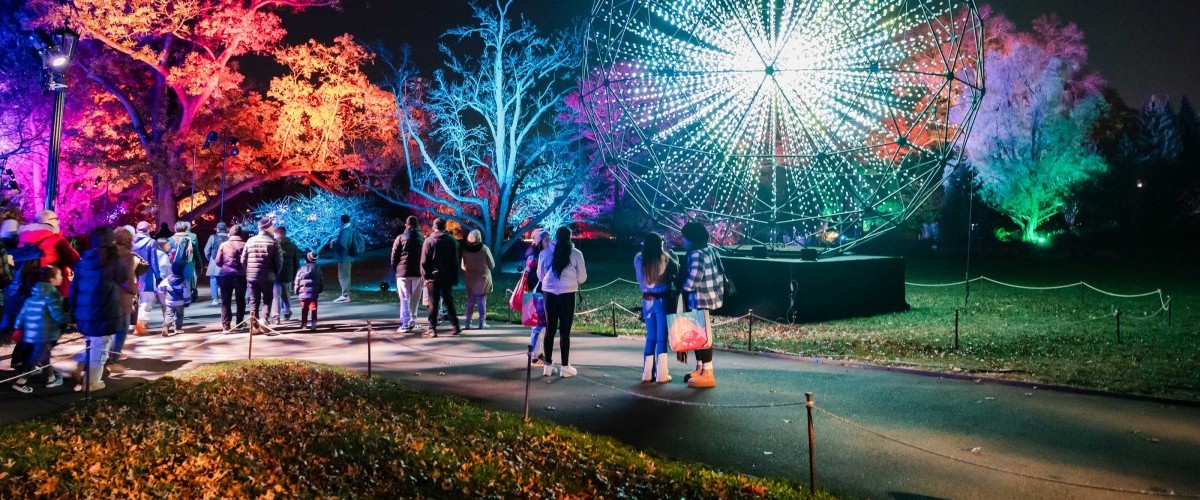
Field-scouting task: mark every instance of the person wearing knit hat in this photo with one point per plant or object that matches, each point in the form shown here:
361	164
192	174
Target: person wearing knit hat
56	250
307	287
210	255
262	263
406	263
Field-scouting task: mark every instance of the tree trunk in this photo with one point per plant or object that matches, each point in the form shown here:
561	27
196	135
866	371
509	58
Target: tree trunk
164	198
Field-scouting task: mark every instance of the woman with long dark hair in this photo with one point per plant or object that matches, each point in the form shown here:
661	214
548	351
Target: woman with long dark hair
561	271
702	284
655	269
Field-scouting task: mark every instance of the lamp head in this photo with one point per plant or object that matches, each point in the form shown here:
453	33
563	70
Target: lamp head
208	139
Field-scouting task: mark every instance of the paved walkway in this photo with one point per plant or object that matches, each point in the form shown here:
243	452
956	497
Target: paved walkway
905	436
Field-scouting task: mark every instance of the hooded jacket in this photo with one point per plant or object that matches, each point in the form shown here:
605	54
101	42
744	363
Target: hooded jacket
229	257
144	246
477	263
439	259
568	281
406	253
96	292
42	316
309	282
210	251
56	250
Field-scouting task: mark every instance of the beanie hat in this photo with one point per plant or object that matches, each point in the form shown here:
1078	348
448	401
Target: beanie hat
264	224
143	227
49	218
311	257
221	226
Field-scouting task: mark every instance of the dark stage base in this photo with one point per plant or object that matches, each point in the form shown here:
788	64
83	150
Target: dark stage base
826	289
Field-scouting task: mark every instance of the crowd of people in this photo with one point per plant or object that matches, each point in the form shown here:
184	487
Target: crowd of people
113	288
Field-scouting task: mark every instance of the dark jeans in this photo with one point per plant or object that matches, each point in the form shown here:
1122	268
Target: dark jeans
39	355
261	294
560	313
233	287
439	293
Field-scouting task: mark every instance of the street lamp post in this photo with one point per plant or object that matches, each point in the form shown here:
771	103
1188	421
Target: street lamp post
56	49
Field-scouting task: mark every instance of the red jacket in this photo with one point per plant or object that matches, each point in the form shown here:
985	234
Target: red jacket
56	251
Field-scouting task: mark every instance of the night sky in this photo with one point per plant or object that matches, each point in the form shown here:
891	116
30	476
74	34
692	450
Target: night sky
1141	47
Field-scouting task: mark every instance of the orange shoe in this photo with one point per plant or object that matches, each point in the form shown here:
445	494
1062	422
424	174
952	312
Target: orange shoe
139	329
706	380
694	373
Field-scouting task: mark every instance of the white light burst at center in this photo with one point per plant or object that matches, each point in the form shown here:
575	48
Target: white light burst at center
770	117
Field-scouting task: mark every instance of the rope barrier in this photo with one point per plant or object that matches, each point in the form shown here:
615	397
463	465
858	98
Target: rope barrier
1157	292
732	320
30	372
688	403
606	285
993	468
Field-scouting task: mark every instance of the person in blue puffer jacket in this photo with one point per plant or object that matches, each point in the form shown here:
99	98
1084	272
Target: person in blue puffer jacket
41	322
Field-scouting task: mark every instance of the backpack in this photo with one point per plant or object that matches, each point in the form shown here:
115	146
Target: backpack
180	250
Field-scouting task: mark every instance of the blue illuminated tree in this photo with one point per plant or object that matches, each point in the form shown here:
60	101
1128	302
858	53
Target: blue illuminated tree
495	156
314	219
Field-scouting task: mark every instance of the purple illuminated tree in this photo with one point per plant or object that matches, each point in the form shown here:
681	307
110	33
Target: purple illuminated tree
1030	148
495	156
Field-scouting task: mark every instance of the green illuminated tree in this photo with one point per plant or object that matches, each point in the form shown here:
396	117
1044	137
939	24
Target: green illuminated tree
1030	148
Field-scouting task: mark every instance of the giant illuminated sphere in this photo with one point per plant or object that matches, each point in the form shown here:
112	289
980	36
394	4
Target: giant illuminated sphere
825	122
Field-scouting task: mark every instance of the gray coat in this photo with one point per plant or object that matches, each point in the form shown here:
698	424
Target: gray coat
261	259
477	264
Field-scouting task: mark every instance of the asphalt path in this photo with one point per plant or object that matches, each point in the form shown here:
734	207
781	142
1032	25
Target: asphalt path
879	433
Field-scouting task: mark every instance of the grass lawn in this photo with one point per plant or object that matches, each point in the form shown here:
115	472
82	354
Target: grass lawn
278	428
1063	337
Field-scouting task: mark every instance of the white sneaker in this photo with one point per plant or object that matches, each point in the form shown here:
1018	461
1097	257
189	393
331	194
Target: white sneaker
548	370
342	300
567	371
215	302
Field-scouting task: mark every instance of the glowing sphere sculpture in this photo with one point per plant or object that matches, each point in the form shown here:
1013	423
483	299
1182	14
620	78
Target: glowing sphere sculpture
817	122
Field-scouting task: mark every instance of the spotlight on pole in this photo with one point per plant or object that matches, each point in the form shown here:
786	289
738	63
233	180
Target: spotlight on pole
212	136
56	50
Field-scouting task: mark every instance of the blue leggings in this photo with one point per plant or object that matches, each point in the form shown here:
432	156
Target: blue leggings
655	313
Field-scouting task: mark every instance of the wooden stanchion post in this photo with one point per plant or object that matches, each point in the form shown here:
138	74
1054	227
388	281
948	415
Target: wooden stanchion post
956	312
368	348
87	370
612	307
1119	341
750	333
528	378
812	451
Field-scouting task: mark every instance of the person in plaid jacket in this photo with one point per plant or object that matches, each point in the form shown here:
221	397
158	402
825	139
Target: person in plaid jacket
703	286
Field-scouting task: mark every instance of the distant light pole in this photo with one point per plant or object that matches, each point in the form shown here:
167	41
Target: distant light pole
56	50
228	148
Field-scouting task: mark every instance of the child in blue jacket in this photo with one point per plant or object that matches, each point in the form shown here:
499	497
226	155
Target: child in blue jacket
176	295
41	321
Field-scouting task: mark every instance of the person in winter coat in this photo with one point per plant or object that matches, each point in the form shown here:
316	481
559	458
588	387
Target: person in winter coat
561	271
56	250
439	267
96	294
477	264
231	277
261	260
289	262
176	296
308	286
406	262
655	269
701	281
541	239
210	255
346	244
148	249
123	239
186	251
41	322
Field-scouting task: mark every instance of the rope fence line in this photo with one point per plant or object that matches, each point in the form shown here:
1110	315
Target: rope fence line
1084	284
1001	470
606	285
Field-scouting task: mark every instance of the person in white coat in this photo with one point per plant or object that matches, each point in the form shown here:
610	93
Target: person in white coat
561	271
